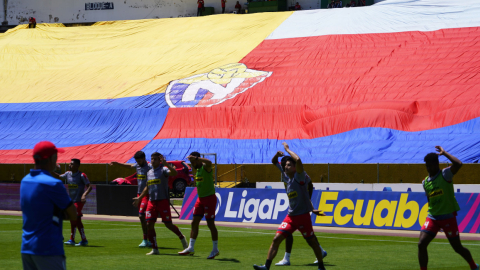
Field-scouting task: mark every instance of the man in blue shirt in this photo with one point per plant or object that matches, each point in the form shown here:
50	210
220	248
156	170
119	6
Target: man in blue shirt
45	203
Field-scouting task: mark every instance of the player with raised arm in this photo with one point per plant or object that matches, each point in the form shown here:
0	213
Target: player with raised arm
289	238
300	206
158	204
205	205
142	167
442	207
77	182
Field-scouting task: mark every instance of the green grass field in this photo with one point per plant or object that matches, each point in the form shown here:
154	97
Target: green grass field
113	245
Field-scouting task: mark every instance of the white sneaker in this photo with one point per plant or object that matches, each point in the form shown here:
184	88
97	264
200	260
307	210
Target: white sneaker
187	251
154	252
184	243
283	263
213	254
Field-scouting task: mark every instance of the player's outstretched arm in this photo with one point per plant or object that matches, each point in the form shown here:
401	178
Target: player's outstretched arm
125	165
57	171
70	213
456	163
299	165
318	212
173	171
275	158
136	200
89	189
206	161
208	164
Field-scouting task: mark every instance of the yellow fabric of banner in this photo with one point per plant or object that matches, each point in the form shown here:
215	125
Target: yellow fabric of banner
123	58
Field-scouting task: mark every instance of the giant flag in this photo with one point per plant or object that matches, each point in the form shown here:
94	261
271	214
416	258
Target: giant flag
383	83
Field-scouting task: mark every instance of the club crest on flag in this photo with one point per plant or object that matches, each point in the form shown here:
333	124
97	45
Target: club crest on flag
214	87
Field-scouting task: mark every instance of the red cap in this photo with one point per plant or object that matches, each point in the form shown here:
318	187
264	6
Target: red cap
46	149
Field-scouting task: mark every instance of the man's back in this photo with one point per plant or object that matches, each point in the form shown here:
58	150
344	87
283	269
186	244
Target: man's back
157	181
42	199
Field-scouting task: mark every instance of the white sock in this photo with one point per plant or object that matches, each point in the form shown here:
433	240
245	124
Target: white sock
287	256
215	245
321	248
192	243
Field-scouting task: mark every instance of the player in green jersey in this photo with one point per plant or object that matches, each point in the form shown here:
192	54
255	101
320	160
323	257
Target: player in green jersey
442	207
205	205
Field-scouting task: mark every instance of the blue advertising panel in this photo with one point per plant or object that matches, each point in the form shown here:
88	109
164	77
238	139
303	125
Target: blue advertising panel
355	209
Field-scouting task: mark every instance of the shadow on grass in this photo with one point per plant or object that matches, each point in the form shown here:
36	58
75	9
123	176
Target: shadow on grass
172	254
93	246
314	264
229	260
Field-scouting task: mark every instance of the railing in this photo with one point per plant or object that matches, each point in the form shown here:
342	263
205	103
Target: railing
235	175
326	173
98	173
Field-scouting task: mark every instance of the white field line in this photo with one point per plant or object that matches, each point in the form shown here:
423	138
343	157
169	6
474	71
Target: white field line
319	236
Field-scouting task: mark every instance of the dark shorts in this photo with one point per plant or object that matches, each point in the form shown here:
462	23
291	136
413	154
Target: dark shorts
303	223
37	262
206	206
79	207
142	206
449	226
156	208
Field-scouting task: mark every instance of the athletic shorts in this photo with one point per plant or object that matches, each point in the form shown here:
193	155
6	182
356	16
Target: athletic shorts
37	262
303	223
156	208
449	226
79	207
142	206
206	206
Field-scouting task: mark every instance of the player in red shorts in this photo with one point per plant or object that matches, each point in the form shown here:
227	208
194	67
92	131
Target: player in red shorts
442	207
206	203
289	238
77	181
299	209
158	204
142	167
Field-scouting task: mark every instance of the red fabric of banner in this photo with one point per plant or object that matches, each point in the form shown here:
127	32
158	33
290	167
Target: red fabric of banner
326	85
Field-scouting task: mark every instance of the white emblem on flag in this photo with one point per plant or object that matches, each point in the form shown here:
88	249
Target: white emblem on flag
214	87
